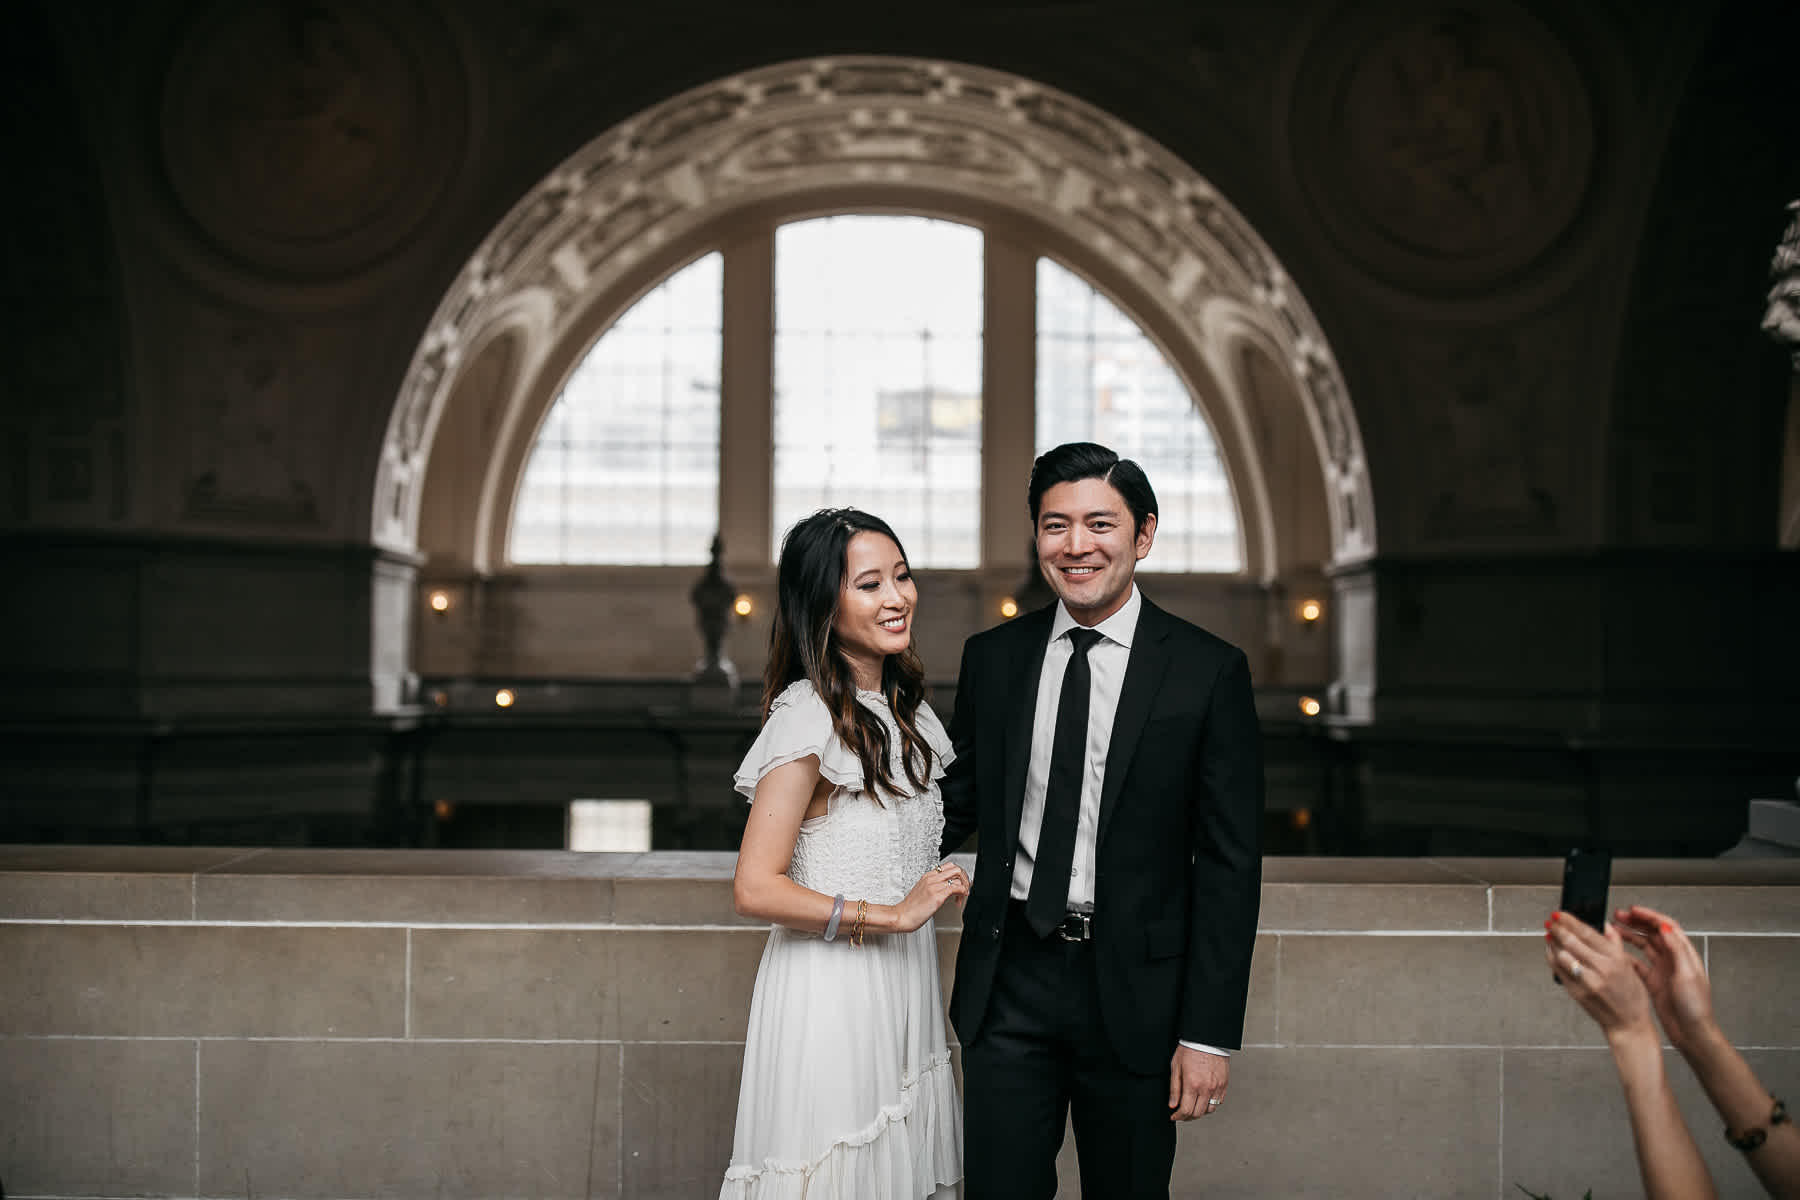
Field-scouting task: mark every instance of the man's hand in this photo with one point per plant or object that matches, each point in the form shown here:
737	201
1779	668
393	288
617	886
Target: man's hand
1196	1083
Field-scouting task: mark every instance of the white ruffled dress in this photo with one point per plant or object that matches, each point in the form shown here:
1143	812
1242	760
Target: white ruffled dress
847	1091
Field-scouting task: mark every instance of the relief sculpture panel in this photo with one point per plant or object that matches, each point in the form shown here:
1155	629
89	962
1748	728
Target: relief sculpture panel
242	441
1495	439
1444	148
312	139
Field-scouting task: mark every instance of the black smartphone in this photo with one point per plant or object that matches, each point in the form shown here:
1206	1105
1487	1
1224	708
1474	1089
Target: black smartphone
1586	875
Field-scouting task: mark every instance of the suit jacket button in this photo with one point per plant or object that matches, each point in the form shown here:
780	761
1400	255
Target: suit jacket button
994	932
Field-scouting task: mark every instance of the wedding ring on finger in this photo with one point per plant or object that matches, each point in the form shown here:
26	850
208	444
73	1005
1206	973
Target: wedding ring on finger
1575	972
1212	1104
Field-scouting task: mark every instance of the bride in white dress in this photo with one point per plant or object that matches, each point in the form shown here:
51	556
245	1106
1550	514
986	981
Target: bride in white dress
847	1089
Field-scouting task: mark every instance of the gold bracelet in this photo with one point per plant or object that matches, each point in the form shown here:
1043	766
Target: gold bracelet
856	930
1750	1139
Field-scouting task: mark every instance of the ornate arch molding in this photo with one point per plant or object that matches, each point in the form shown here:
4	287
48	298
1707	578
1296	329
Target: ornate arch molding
785	131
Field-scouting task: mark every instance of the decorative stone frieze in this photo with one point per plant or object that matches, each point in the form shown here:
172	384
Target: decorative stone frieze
974	137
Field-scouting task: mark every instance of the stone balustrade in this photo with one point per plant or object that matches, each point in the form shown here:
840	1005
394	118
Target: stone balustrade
261	1022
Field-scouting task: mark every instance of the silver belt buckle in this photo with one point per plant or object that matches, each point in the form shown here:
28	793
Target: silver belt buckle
1087	927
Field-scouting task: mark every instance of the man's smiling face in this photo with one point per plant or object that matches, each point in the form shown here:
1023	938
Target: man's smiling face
1087	548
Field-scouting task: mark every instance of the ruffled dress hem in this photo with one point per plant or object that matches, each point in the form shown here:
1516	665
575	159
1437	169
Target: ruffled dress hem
861	1165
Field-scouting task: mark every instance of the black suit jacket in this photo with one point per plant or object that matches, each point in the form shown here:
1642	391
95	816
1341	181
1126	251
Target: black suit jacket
1178	870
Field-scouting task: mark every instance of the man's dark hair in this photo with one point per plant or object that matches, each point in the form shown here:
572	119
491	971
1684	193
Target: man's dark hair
1089	460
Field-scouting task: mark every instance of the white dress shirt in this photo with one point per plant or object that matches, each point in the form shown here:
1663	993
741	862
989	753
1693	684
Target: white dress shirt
1107	659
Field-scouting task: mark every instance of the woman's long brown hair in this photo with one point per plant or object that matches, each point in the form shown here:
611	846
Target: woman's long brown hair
803	645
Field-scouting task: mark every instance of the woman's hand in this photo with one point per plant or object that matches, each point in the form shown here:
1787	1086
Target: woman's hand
1601	974
932	892
1673	973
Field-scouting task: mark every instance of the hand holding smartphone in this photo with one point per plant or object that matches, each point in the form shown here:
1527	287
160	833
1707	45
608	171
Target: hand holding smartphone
1587	873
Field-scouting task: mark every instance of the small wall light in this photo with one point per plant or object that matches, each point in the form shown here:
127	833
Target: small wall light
743	606
441	698
1301	817
443	810
504	697
1311	611
1310	706
439	601
1009	608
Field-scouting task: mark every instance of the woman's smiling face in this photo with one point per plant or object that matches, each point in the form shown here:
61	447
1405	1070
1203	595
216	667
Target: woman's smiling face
875	605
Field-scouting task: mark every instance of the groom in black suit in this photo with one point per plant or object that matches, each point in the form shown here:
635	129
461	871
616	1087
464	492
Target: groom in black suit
1108	755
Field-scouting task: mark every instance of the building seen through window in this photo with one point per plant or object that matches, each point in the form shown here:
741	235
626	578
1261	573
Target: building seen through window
878	378
878	401
626	466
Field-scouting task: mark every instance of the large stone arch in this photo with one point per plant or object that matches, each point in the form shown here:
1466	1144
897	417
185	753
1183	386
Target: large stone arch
938	136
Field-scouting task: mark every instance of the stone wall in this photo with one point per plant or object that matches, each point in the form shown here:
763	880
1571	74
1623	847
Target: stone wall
238	1023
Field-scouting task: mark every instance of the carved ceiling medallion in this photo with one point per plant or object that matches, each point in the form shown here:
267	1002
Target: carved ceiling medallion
1442	146
312	139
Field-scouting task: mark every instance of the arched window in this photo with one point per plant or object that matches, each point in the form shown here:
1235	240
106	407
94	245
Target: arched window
878	378
1101	379
626	464
877	399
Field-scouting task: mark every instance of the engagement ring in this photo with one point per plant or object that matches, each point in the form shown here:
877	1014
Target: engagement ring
1212	1104
1575	971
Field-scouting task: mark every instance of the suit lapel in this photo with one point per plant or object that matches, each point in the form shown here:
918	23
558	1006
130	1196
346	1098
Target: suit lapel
1025	668
1143	677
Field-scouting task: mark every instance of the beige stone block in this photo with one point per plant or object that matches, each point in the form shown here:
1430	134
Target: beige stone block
102	883
1412	871
1566	1125
202	981
1525	908
73	896
1369	893
1376	906
679	1109
686	985
413	887
120	860
1568	1129
649	900
1700	909
1334	1122
404	1119
515	983
1755	980
1262	1009
1480	990
97	1117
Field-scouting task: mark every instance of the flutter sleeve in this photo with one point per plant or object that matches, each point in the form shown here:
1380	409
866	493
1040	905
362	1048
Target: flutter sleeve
799	724
935	735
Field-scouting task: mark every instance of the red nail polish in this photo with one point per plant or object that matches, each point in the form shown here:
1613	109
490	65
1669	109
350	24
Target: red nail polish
1667	927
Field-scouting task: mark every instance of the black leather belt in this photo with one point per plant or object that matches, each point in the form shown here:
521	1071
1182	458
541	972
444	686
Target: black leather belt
1074	927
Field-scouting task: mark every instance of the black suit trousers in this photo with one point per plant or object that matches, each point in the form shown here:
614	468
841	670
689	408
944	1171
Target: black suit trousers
1042	1060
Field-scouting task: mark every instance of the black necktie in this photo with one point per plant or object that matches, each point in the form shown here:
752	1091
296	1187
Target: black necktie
1049	898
